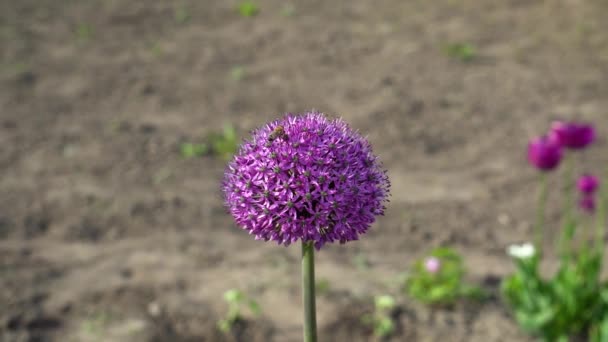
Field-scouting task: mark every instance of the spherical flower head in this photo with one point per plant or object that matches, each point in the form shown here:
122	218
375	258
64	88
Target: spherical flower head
587	203
544	153
432	265
587	184
307	178
572	135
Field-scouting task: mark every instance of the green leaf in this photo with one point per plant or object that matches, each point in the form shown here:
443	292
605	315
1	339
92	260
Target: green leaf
385	302
384	327
248	9
254	307
190	150
224	325
534	321
600	334
233	296
463	51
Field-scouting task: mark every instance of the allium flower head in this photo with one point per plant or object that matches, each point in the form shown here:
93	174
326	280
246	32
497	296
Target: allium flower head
308	178
432	264
587	184
572	135
544	153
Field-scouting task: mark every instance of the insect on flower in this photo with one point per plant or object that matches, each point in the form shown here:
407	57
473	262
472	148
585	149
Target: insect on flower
278	132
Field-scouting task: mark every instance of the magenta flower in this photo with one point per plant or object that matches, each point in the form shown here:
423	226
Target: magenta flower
587	184
432	264
572	135
587	203
306	178
544	153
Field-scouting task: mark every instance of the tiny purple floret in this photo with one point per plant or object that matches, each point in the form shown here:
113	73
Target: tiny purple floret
432	264
587	184
544	153
308	178
572	135
587	203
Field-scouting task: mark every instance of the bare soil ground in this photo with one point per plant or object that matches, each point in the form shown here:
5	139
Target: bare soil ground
108	234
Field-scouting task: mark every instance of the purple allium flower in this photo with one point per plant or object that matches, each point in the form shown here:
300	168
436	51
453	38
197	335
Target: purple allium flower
432	264
308	178
544	153
587	184
587	203
572	135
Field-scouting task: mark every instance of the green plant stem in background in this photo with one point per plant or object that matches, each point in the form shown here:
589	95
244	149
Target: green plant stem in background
308	292
569	226
540	214
601	219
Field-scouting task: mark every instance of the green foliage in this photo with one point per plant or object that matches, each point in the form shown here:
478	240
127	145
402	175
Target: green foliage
381	319
248	9
573	302
223	145
462	51
444	286
236	301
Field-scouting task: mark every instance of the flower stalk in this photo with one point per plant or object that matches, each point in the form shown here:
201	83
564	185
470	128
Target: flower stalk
308	292
540	214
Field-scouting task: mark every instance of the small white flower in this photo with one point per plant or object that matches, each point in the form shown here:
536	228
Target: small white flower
523	251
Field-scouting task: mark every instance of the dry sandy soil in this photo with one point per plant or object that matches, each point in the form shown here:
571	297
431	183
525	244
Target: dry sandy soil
108	234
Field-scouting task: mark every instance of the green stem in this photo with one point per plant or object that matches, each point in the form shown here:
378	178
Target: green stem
601	220
540	214
570	189
308	292
568	228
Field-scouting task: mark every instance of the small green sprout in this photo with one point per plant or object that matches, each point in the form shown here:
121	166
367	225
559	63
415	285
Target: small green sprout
237	72
381	319
236	300
84	32
191	150
248	9
463	51
156	49
322	286
225	144
181	15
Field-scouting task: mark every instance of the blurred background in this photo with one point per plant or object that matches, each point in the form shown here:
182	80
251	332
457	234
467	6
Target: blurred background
117	119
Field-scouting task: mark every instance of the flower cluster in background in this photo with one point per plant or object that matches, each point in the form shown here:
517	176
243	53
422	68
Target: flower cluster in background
573	302
547	151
